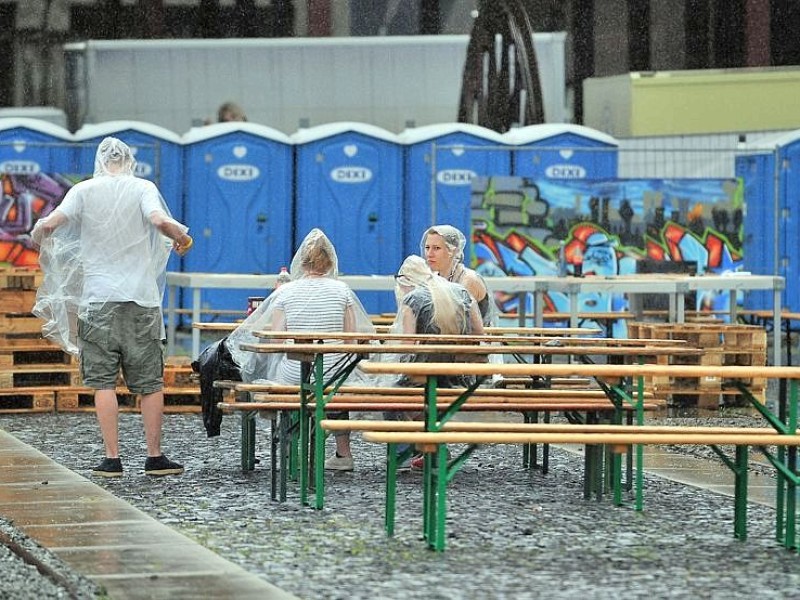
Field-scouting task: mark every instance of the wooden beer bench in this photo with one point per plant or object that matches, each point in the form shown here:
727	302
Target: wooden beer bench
272	401
438	472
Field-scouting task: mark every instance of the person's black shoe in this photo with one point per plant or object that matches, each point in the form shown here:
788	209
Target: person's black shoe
110	467
158	466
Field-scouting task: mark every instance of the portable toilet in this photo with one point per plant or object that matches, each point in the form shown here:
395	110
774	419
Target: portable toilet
562	151
350	185
30	146
771	217
37	169
238	190
158	153
441	162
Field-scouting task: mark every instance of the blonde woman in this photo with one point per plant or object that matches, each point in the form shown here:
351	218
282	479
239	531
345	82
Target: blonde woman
314	300
443	249
428	303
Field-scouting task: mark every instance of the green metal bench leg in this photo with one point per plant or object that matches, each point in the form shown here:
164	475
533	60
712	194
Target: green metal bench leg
248	442
629	461
285	448
546	449
791	502
740	494
588	472
294	436
529	451
639	450
616	477
273	458
391	487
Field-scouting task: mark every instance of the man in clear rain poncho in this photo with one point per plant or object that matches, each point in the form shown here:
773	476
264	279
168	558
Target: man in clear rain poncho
104	252
314	300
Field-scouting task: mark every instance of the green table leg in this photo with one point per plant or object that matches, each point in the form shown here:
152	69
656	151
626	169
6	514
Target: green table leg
320	434
441	497
300	449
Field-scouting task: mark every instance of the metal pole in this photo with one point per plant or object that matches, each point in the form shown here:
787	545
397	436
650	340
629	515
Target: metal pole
433	184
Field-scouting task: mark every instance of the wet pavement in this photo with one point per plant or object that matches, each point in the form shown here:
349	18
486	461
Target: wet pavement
118	546
703	473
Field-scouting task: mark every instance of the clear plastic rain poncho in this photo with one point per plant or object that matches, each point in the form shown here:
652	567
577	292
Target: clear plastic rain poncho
314	300
106	251
428	303
456	242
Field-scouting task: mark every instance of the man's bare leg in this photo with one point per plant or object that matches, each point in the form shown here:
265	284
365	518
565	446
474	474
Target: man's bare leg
107	410
152	416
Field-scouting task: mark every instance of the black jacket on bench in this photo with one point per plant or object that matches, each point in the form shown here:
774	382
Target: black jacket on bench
214	363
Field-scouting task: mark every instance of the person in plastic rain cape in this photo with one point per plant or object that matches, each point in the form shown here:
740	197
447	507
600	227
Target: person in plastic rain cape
442	246
443	249
428	303
104	252
314	300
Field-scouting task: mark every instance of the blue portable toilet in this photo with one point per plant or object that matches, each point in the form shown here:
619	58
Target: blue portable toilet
457	152
158	153
238	191
31	146
756	170
36	166
350	185
771	225
562	151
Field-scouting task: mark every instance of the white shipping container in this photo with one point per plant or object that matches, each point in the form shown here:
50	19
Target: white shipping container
287	83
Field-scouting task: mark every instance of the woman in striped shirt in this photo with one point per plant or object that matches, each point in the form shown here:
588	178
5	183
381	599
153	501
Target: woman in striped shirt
314	300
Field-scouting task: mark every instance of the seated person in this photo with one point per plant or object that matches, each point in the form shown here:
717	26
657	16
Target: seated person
314	300
427	303
443	249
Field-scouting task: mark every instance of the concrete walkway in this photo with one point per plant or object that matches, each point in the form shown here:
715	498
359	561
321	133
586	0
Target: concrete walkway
132	555
707	474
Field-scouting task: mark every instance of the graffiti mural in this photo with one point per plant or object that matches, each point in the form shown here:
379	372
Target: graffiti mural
25	199
608	227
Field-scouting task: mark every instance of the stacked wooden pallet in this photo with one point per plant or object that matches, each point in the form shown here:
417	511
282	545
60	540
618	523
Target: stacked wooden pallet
38	376
723	345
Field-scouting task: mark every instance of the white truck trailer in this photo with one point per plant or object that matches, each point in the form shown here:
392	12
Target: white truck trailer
286	83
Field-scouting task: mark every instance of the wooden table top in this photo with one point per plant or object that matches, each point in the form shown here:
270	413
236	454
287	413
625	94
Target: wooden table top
344	348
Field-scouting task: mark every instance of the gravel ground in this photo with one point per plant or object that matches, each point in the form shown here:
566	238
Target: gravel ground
31	572
511	534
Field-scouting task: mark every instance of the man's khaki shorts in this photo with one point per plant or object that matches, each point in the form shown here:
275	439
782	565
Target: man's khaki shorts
124	335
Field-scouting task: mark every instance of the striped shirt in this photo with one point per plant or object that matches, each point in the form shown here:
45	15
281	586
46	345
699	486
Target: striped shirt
312	304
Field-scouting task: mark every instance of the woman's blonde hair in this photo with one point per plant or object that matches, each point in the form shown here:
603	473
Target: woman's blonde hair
316	255
448	316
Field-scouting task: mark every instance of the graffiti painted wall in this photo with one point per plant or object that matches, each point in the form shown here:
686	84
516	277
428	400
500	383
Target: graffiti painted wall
26	198
608	227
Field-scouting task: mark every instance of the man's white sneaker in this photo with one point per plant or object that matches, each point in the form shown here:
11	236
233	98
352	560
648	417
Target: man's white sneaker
339	463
